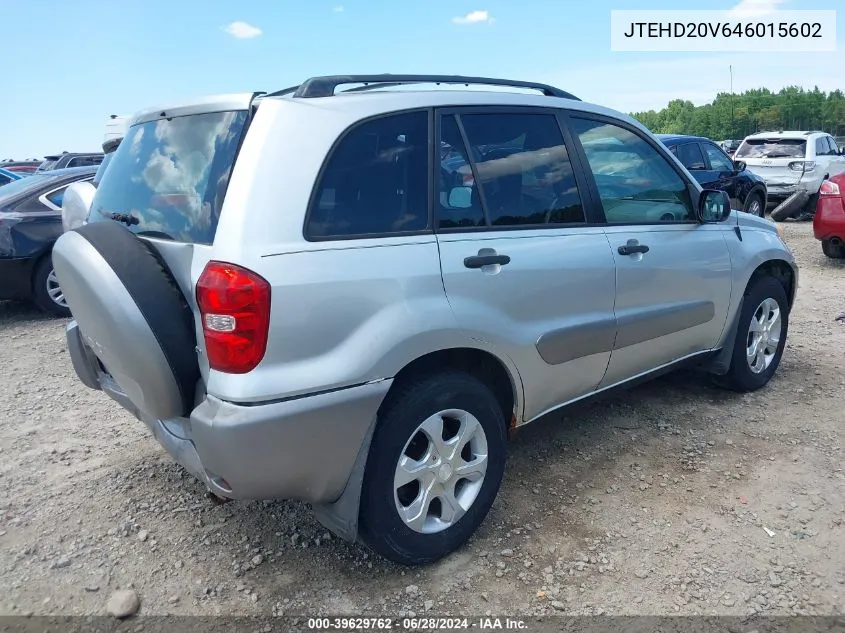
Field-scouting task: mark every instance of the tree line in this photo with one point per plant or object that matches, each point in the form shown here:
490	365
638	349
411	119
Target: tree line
735	116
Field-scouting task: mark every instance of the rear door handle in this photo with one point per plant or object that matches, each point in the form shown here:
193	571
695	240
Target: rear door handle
486	257
633	247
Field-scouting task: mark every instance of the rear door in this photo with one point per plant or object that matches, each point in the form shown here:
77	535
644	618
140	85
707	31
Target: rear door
526	269
673	274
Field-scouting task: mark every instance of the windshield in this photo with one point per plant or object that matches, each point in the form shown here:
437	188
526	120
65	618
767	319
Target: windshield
773	148
168	177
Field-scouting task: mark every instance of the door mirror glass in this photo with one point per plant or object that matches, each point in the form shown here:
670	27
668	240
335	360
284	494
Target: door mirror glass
460	197
714	206
740	165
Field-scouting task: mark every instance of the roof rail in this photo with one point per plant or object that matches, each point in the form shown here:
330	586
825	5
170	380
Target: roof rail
815	132
326	86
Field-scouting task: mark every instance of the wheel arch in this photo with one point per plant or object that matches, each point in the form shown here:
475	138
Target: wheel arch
36	260
482	364
782	271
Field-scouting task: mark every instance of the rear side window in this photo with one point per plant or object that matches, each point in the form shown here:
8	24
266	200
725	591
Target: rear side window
772	148
375	181
57	196
168	177
691	157
520	173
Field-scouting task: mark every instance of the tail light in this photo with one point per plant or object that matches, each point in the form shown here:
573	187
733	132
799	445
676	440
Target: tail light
802	165
235	306
829	188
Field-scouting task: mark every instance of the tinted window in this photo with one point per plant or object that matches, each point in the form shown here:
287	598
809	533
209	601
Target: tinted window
522	166
834	148
375	181
5	179
635	182
57	196
690	156
772	148
170	175
821	147
718	160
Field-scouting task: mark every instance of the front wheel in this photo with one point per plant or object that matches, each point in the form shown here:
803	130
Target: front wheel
46	291
760	338
754	205
435	466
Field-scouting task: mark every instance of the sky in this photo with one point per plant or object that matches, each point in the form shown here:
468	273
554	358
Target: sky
71	65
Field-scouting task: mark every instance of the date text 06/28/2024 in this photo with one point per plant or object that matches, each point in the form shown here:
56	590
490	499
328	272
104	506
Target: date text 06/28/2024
723	31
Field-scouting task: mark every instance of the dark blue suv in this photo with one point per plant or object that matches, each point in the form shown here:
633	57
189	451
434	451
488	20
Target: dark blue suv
713	169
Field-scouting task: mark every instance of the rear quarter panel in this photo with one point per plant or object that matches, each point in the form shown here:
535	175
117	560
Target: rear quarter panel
343	312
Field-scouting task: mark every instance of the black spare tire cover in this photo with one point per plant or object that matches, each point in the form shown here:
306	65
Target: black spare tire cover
132	314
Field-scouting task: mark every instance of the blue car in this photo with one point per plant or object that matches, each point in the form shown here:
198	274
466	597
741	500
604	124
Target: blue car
7	176
714	169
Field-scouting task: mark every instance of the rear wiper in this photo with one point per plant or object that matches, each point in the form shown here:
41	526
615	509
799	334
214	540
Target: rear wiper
126	218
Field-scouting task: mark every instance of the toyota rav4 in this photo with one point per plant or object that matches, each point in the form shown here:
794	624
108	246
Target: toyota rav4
351	296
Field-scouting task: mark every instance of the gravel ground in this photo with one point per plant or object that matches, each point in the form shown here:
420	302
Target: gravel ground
672	498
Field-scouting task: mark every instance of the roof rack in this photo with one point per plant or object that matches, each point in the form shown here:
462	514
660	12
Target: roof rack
326	86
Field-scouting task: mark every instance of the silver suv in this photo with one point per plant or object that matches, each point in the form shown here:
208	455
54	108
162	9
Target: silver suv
349	297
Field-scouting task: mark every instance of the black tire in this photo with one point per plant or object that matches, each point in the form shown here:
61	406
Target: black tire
740	376
790	207
122	294
834	251
749	203
381	527
41	277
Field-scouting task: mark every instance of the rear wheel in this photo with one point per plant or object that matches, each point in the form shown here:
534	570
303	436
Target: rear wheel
754	205
46	291
434	468
834	251
761	336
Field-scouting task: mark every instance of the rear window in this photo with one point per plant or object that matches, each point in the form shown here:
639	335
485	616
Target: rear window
773	148
168	177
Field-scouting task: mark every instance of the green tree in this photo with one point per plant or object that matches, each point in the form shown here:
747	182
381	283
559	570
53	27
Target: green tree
737	115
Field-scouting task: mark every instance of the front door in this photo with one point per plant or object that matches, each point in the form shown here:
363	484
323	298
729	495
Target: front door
673	274
523	271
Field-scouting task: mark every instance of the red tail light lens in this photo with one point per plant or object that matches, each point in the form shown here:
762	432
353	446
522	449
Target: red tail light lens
829	188
235	306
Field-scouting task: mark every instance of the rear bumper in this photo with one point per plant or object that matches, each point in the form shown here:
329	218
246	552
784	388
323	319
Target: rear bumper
778	191
829	220
303	448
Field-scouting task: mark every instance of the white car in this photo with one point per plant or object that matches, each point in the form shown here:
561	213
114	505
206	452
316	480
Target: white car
792	162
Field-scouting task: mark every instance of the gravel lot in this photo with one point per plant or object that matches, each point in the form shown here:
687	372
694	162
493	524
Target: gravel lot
672	498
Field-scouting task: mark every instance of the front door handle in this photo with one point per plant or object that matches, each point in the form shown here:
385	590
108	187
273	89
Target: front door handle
633	247
486	257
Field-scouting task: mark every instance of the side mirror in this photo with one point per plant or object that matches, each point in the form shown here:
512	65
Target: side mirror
842	151
460	197
714	206
740	165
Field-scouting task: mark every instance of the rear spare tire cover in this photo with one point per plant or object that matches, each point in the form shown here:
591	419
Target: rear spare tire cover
132	314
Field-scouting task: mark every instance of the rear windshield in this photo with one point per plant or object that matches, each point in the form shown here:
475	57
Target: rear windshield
168	177
773	148
47	165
